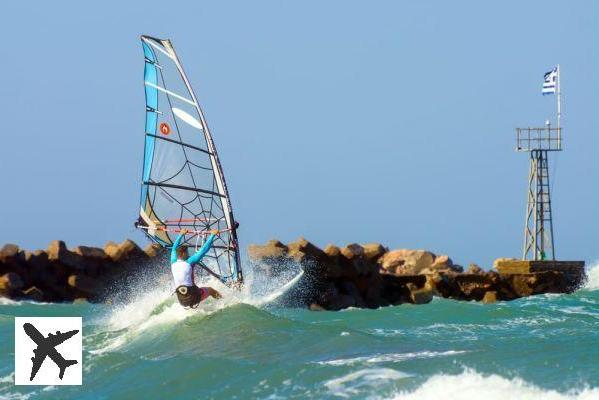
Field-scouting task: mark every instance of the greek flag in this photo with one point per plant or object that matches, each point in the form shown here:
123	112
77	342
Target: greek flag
550	82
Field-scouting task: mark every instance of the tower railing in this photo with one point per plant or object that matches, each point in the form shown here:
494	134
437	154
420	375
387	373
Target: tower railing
547	139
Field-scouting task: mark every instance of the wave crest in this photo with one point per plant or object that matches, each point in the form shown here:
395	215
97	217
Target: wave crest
472	385
592	277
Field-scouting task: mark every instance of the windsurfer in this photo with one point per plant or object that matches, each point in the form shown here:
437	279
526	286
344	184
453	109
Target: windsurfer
188	294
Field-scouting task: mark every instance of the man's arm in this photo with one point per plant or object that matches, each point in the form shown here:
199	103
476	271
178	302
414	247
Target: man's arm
202	251
175	245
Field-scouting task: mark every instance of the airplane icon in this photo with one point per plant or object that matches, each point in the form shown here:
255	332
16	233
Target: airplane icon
46	348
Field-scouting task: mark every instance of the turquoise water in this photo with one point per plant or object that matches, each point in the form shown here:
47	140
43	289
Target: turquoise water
544	347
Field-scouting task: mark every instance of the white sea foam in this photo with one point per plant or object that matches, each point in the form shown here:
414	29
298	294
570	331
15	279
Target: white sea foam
593	277
7	387
390	357
156	309
8	378
16	396
362	381
153	310
4	301
471	385
578	310
386	332
269	298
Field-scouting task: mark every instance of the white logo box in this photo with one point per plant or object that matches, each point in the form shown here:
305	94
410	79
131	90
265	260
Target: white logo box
45	331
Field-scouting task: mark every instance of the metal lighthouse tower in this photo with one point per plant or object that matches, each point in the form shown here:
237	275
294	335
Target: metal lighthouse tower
538	253
539	244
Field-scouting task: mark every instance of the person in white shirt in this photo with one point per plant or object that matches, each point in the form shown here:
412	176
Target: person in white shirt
188	294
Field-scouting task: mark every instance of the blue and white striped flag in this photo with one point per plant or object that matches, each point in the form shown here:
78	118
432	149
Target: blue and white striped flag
550	82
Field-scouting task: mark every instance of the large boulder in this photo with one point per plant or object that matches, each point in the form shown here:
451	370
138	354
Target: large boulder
82	283
59	254
373	252
313	259
443	265
490	297
407	262
333	299
420	295
9	253
111	249
92	253
39	269
370	286
94	259
154	250
442	261
473	286
302	251
342	301
273	250
333	264
349	288
33	293
395	288
475	269
431	283
125	252
356	262
271	259
38	260
10	282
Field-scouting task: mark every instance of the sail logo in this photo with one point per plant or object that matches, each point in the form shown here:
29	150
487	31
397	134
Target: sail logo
164	128
48	351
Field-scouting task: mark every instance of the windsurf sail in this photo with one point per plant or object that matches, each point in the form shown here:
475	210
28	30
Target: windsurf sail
183	186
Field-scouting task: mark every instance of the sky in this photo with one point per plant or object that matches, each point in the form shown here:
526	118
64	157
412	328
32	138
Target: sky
339	121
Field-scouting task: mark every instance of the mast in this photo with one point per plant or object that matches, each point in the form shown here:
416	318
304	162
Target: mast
559	106
216	165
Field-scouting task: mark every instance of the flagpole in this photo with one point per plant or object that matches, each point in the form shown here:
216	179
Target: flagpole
559	107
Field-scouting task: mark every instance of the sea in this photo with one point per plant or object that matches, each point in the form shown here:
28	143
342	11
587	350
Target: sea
250	346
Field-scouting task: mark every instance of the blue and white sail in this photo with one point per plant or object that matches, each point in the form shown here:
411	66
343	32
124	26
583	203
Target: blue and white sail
183	186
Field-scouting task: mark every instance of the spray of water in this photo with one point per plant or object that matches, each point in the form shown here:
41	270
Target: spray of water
153	306
592	277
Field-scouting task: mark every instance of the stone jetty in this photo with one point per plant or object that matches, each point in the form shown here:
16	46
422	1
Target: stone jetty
356	275
371	275
59	274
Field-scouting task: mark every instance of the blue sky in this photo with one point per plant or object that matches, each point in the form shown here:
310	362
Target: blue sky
342	121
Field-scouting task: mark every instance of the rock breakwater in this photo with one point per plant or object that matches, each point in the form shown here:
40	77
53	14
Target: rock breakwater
371	275
356	275
59	274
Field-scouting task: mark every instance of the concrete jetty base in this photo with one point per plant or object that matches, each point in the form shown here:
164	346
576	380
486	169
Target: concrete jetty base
510	267
565	276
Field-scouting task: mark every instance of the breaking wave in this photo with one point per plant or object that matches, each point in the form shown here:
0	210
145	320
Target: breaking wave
592	277
360	382
390	357
471	385
155	311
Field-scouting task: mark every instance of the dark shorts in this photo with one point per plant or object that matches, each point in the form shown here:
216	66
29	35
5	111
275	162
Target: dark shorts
191	296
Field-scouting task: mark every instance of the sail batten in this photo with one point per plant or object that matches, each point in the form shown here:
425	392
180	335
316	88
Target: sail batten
183	184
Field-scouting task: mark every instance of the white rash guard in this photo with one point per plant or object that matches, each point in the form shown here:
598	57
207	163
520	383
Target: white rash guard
182	273
182	269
